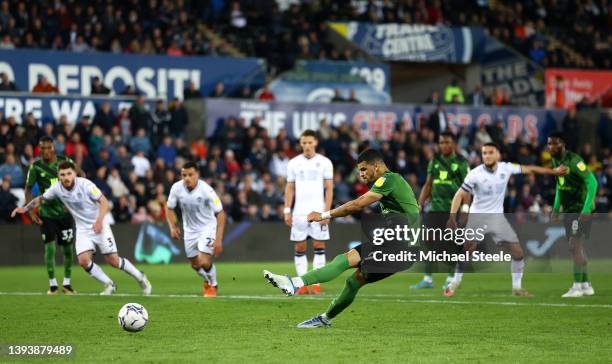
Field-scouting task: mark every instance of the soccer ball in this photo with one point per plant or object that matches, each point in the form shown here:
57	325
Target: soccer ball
133	317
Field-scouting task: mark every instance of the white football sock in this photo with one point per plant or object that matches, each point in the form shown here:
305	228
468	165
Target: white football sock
458	277
319	259
95	271
427	278
52	282
577	285
301	263
202	273
211	275
66	282
127	266
517	267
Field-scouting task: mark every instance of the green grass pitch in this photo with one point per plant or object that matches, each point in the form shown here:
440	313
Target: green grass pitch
252	322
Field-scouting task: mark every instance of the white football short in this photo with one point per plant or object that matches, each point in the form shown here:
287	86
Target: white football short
301	229
495	225
87	239
203	243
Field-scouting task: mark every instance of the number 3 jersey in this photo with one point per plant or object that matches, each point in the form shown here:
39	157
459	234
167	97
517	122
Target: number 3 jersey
198	207
81	200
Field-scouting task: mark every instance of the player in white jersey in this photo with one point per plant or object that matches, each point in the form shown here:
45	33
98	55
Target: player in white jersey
88	206
310	180
203	223
487	184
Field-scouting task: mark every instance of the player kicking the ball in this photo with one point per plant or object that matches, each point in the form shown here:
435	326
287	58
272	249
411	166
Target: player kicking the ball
310	179
394	195
488	183
203	223
88	206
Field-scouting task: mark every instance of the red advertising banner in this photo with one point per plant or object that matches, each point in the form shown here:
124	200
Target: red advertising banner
565	87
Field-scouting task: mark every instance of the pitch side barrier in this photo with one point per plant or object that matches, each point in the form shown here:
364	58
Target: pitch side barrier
389	244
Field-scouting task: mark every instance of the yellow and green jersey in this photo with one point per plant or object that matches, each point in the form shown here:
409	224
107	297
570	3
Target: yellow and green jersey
45	174
447	174
572	188
398	196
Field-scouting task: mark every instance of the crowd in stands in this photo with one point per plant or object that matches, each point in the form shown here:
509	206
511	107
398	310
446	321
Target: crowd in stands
285	30
134	158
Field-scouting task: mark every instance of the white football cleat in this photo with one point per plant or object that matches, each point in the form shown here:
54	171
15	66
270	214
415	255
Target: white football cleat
573	292
315	322
587	289
146	286
284	283
109	289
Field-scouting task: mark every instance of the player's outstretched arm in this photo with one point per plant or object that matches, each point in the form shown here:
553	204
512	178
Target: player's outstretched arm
28	198
175	232
425	191
102	210
219	237
29	206
460	197
348	208
559	171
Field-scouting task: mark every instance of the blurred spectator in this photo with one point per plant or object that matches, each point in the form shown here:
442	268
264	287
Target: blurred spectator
167	151
478	97
6	84
98	88
570	129
104	118
43	86
337	96
352	97
141	143
141	164
453	93
179	119
8	201
218	91
139	115
191	91
266	94
438	121
11	168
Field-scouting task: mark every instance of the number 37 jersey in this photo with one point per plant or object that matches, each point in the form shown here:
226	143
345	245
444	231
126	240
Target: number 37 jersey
198	207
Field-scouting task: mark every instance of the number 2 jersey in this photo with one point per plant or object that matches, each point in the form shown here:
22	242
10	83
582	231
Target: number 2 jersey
198	207
81	200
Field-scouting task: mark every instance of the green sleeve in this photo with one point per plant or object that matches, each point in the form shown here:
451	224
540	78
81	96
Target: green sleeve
591	183
578	167
31	177
557	204
383	185
464	170
430	167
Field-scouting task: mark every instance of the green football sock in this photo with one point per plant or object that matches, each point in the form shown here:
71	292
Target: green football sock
328	272
578	273
585	276
67	261
50	259
346	297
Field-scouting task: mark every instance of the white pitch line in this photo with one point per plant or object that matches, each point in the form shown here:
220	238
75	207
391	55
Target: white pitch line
369	298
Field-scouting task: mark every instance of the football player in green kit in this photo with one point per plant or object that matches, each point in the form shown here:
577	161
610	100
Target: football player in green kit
445	174
575	198
56	223
395	197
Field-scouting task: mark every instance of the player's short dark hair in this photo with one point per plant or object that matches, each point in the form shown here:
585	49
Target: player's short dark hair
191	164
491	144
45	139
557	135
309	133
370	156
66	165
447	134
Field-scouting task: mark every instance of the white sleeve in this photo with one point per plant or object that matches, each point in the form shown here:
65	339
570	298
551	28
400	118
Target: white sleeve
216	204
92	191
290	172
51	192
171	204
328	170
469	182
513	168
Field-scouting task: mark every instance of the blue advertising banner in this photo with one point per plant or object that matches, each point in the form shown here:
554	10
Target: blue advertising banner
153	76
51	107
380	120
412	42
